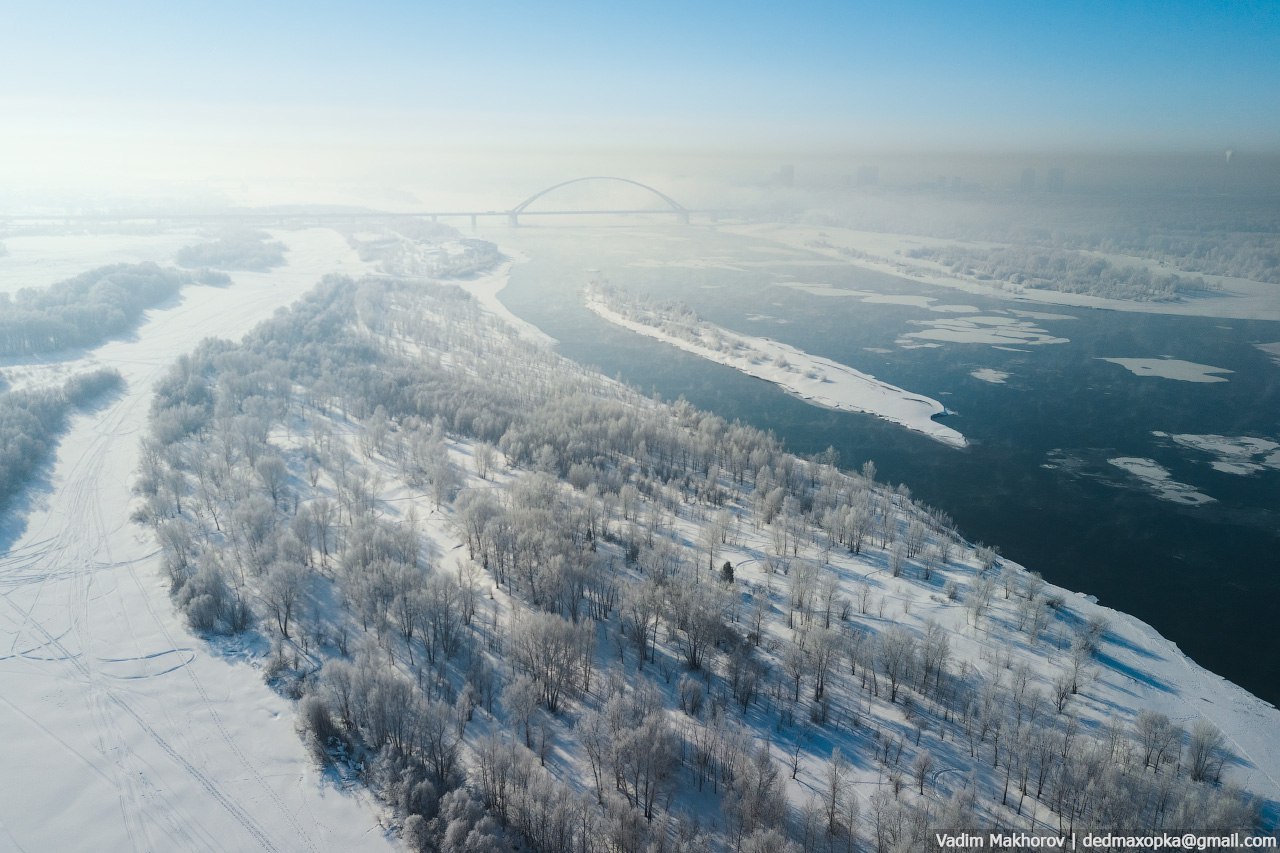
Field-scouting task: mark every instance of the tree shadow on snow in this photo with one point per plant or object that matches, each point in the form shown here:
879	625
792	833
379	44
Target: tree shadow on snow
1131	672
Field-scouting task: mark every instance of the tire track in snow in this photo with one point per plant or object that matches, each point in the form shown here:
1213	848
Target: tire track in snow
226	737
160	623
76	545
68	541
212	788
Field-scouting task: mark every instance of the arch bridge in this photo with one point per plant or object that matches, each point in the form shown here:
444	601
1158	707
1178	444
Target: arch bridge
513	215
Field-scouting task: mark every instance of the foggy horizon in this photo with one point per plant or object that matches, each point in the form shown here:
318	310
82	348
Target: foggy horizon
131	94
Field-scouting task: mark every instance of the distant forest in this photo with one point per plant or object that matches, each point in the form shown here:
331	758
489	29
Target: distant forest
1069	272
31	421
428	249
1209	235
252	251
86	310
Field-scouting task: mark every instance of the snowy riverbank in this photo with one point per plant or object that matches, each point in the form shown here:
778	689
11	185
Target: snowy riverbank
485	289
812	378
887	253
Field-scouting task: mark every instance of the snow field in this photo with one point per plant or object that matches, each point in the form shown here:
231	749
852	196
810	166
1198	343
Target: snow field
124	732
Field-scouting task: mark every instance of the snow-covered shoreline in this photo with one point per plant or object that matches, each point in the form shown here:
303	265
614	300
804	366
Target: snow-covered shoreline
485	289
1150	670
812	378
884	252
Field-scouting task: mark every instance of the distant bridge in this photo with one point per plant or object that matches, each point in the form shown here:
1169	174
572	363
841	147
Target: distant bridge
678	209
512	216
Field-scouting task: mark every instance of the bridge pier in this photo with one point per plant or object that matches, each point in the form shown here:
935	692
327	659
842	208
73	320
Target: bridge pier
473	222
513	219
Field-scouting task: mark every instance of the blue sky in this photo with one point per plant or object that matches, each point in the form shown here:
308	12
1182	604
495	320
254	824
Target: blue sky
923	75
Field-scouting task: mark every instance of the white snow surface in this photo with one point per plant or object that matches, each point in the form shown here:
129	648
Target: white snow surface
1239	454
812	378
1171	368
1157	478
988	374
896	299
706	263
123	731
980	330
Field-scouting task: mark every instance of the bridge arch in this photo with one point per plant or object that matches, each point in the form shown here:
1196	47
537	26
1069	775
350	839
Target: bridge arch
678	209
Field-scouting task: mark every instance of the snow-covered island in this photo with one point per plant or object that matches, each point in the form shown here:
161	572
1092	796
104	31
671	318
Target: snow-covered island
898	254
812	378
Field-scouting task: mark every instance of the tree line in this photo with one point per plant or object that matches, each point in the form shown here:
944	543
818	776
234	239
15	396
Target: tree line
90	308
589	670
1062	270
31	421
419	248
247	250
1229	234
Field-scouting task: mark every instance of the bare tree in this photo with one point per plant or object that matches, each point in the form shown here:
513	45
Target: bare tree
483	456
835	787
549	648
282	591
896	649
521	699
921	767
1158	736
1206	752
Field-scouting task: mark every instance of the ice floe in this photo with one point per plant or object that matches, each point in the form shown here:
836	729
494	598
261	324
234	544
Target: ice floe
1171	368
